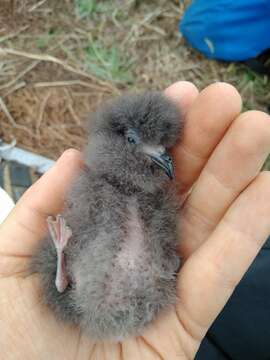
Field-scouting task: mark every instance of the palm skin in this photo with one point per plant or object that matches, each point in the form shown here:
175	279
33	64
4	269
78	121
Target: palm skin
225	220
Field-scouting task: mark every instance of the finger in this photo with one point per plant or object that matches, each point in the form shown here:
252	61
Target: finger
210	275
235	162
107	350
205	124
183	94
26	224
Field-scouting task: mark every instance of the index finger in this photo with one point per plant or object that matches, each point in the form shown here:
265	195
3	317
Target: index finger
206	122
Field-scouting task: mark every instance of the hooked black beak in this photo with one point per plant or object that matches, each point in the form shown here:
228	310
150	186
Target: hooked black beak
164	161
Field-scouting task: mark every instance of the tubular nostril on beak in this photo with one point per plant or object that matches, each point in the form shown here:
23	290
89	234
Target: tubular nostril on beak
165	162
160	157
166	157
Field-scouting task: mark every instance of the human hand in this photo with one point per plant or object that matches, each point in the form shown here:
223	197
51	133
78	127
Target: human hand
224	222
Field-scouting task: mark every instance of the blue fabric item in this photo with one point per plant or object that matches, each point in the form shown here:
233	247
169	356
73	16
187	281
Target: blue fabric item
228	29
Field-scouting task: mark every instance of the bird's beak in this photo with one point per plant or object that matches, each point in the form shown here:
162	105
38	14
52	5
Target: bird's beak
160	157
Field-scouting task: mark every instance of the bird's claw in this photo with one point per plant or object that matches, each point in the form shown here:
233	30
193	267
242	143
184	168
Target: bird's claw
60	234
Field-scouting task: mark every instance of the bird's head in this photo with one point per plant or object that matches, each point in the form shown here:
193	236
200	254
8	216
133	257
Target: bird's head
130	138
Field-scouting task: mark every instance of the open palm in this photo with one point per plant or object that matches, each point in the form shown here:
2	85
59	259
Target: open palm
224	222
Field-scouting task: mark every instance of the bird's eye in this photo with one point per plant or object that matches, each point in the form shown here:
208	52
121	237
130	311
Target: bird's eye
132	137
131	140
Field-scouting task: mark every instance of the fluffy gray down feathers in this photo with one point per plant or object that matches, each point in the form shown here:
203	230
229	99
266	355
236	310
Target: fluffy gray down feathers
122	209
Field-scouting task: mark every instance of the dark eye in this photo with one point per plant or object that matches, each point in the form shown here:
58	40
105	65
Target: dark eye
132	136
131	140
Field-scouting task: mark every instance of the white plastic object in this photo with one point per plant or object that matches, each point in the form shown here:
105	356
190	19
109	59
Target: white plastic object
6	204
12	153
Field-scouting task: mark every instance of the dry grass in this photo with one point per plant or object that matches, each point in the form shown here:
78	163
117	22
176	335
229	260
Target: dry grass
59	60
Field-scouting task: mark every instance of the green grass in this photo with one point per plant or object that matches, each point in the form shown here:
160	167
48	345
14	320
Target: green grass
43	40
254	88
86	8
108	63
266	165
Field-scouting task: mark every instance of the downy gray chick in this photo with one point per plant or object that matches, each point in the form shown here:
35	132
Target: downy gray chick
109	263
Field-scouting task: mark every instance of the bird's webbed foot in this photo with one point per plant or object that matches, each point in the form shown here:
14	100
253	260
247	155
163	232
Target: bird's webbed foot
60	234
